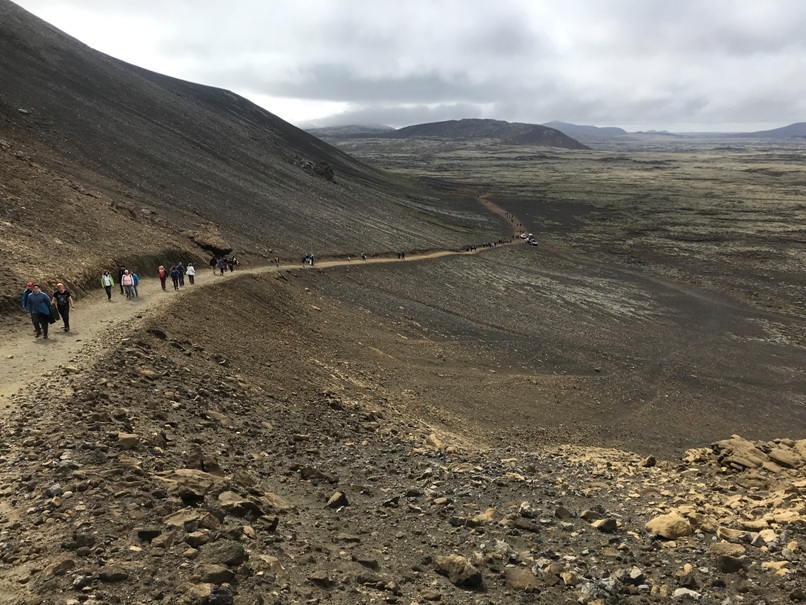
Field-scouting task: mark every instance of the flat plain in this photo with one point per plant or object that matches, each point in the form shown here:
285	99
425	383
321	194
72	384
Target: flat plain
662	308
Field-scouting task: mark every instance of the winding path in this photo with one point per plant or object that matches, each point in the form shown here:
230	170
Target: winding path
24	358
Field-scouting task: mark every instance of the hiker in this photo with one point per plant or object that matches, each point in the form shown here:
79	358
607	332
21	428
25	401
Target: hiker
175	273
277	260
64	303
213	264
127	283
107	282
38	305
181	268
231	262
163	276
190	271
29	287
136	283
222	266
121	271
363	256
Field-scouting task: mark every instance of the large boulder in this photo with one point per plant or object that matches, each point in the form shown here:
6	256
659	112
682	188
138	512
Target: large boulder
459	571
670	526
212	242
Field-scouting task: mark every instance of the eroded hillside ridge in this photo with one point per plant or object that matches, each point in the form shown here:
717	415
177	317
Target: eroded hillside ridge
177	156
53	228
187	466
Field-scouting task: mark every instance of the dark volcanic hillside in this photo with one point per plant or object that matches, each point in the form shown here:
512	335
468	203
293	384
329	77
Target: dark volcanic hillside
102	162
514	133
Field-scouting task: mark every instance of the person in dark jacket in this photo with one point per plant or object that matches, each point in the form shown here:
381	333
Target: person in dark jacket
38	305
28	289
175	273
181	268
64	303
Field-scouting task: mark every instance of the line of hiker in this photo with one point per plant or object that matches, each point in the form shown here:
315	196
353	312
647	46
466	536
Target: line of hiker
177	273
223	264
127	280
46	310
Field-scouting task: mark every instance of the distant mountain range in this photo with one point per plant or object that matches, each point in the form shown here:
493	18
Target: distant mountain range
793	131
352	131
513	133
529	134
576	130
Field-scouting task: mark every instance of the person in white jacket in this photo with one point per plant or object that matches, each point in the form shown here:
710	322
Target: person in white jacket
190	271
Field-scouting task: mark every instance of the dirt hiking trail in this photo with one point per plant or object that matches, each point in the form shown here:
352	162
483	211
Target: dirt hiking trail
95	319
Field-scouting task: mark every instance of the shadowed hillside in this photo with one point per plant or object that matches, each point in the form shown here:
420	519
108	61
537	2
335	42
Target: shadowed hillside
97	151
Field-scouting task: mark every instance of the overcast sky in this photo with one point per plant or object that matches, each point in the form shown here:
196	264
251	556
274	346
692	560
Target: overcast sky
682	65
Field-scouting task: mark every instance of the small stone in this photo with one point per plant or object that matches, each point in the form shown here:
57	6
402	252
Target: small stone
726	548
459	571
563	513
798	595
729	564
321	578
59	568
221	595
520	578
683	594
649	462
605	525
197	538
337	500
216	574
147	534
128	440
113	574
433	442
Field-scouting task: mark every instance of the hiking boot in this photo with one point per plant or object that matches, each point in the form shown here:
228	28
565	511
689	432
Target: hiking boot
38	334
45	337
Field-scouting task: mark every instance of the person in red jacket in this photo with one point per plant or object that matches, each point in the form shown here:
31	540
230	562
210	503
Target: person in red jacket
163	276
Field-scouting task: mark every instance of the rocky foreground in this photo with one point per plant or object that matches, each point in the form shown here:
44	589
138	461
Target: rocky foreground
208	470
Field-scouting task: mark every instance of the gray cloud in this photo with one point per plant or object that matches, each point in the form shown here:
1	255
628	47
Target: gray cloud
620	62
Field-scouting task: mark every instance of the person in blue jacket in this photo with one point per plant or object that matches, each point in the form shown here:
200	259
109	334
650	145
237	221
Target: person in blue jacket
38	305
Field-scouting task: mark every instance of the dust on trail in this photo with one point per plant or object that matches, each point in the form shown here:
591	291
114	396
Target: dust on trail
95	320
